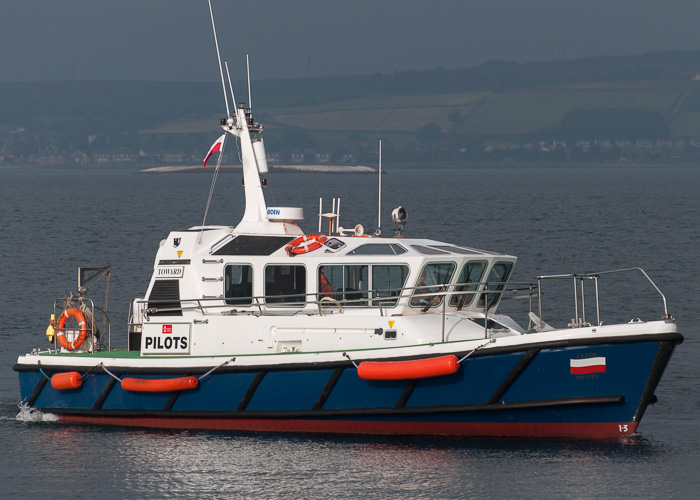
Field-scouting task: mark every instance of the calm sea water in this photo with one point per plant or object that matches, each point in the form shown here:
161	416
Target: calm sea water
555	220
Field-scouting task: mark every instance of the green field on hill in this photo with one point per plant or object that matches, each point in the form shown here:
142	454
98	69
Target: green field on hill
651	97
495	113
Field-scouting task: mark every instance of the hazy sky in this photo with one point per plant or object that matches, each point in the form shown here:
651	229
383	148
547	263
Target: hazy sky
172	39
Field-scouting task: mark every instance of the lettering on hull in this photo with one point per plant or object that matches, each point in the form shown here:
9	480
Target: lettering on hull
170	338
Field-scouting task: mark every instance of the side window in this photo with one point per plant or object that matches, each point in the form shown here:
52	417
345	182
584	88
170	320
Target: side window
347	284
238	284
430	280
498	275
285	285
468	281
387	281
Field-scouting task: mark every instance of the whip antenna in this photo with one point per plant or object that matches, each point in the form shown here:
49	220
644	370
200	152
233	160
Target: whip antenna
379	211
228	75
218	58
247	64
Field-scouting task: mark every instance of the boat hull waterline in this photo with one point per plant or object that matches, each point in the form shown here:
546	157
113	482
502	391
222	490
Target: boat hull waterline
529	390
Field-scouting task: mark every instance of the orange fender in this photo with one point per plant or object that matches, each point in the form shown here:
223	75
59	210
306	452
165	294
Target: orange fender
159	384
66	381
406	370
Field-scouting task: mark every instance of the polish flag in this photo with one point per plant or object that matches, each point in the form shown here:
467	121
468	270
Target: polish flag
215	147
588	365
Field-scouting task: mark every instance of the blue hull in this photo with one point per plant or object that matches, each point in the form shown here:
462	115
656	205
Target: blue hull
533	391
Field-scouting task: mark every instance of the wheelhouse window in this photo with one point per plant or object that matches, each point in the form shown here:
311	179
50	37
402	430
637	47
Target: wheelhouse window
238	284
387	282
285	285
347	284
362	285
499	274
468	280
431	280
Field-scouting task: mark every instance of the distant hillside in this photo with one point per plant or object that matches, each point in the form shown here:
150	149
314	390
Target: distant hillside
416	112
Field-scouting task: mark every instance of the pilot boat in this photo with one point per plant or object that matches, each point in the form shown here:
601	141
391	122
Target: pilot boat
263	327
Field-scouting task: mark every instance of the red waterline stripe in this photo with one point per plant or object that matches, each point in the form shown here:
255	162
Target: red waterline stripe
510	429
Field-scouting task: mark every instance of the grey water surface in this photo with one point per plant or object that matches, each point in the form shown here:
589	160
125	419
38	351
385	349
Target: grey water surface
555	219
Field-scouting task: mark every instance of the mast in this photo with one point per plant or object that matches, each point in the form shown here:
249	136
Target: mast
218	58
379	210
255	218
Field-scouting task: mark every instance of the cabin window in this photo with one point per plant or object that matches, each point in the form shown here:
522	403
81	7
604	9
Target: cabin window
432	279
387	282
498	276
378	249
468	281
285	285
238	284
347	284
354	285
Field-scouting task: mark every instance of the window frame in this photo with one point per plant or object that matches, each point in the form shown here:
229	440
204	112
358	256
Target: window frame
281	302
417	286
235	300
472	293
495	298
370	297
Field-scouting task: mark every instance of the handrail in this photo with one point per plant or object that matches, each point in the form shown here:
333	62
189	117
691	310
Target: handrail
278	304
595	276
68	302
312	303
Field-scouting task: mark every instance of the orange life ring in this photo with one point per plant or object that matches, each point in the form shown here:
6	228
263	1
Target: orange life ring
60	335
304	244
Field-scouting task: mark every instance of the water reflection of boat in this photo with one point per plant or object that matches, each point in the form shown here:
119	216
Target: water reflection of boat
263	327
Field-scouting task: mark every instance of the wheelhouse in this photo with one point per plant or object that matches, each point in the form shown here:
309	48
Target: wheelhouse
248	272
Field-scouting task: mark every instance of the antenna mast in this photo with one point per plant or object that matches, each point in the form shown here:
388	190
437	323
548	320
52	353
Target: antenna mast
247	64
233	97
379	212
218	58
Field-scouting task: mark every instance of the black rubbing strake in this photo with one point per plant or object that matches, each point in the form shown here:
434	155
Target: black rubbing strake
328	389
513	376
251	390
105	392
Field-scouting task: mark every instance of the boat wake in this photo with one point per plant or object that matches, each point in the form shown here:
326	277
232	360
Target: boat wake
29	414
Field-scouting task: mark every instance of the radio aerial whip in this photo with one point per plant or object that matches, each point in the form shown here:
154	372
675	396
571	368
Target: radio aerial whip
228	118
